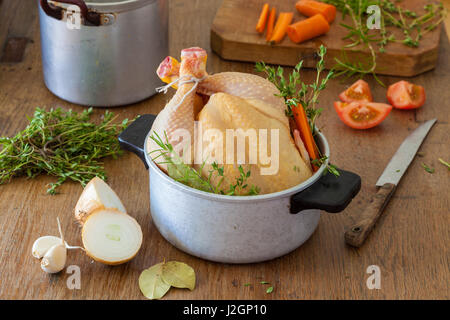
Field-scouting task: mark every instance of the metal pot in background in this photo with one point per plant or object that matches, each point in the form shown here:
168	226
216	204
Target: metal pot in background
241	229
110	60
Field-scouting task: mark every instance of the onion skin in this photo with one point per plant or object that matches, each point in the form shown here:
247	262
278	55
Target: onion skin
89	202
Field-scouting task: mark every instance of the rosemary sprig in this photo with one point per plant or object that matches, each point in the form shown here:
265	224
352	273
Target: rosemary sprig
193	178
63	144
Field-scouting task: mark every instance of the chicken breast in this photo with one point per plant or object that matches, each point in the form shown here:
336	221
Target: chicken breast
243	85
278	168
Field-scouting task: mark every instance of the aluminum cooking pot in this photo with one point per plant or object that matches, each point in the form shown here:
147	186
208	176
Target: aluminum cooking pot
103	53
238	229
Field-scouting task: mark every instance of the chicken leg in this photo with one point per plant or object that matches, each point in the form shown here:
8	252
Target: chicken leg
176	120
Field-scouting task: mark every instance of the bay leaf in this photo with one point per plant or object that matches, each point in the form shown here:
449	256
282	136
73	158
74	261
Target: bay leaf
178	275
151	283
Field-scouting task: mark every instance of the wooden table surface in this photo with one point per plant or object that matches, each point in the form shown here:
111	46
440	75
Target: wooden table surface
410	244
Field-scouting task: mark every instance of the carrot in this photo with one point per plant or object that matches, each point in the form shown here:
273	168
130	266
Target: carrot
270	23
305	132
310	8
261	25
283	21
308	28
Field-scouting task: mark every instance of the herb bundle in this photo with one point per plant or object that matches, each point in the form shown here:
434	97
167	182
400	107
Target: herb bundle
295	92
193	178
63	144
412	26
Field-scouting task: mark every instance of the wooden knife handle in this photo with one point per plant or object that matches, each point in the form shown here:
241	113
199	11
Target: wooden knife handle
357	234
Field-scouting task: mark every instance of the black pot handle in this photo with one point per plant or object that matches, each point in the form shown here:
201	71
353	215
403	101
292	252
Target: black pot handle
330	193
133	137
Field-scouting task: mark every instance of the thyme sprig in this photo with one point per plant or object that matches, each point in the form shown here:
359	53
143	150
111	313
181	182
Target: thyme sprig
412	26
294	92
60	143
185	174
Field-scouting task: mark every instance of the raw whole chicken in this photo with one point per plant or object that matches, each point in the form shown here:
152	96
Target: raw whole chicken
229	107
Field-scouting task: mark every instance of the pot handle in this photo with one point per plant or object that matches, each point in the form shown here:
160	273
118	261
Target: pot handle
92	17
133	137
330	193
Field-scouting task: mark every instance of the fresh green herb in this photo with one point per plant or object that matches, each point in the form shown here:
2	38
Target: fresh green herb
191	177
264	282
413	27
178	170
269	290
427	168
63	144
247	284
295	91
398	170
444	163
330	167
241	184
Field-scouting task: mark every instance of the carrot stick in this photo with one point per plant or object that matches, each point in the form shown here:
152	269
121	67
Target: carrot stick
283	21
262	18
305	132
308	28
310	8
270	23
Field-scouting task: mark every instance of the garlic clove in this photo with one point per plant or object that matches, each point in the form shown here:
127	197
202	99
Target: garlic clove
43	244
54	259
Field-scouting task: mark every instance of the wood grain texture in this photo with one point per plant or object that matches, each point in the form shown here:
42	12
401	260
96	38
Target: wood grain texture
233	37
357	233
410	243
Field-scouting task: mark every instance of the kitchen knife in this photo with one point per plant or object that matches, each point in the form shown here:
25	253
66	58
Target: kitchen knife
388	181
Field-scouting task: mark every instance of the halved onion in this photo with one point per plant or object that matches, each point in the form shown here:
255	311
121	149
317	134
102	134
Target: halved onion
111	237
97	195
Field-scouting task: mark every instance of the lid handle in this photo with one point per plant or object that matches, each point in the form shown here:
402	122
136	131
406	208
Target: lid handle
92	17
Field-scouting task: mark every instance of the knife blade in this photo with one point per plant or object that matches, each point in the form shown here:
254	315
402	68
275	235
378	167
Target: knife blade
388	181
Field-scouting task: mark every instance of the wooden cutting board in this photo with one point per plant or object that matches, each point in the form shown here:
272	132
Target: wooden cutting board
233	37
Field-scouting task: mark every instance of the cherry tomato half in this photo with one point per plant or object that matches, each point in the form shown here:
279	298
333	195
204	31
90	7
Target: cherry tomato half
405	95
362	114
359	91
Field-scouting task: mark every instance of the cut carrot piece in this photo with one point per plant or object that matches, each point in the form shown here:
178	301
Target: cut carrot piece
271	23
261	25
308	28
283	21
310	8
305	132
